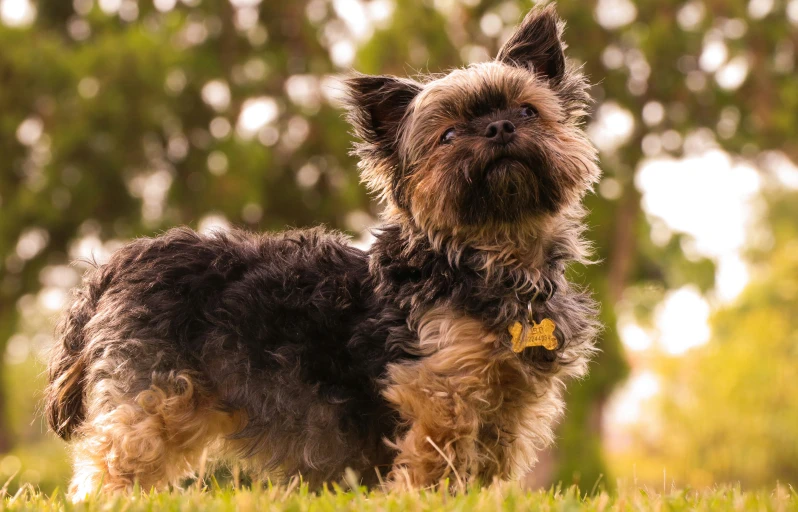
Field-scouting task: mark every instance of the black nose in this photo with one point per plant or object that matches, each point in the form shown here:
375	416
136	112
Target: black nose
500	131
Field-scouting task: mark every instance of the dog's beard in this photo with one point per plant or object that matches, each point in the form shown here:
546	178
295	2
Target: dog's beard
506	188
476	184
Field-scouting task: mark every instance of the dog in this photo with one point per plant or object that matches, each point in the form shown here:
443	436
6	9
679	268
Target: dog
439	354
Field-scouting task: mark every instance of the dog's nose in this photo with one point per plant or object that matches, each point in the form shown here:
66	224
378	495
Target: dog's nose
500	131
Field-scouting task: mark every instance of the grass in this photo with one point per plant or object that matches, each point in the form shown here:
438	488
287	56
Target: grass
499	497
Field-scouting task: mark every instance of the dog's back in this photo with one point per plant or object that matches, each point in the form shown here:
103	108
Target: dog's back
248	327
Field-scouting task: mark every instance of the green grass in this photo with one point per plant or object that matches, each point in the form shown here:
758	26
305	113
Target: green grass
501	497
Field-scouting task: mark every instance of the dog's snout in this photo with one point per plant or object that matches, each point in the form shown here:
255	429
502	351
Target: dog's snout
501	131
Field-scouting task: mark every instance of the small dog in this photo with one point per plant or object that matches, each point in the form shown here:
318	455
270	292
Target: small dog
439	353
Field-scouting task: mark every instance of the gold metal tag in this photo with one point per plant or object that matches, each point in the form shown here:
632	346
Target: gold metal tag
538	335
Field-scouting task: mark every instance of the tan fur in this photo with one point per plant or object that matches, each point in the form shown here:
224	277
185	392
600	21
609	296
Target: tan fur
441	102
155	439
473	410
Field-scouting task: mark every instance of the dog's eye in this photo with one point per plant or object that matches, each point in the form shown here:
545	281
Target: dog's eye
448	136
528	111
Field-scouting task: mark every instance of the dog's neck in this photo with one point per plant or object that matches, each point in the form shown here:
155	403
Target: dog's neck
413	266
522	249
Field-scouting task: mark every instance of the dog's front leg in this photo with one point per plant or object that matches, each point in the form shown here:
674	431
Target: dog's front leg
447	399
442	441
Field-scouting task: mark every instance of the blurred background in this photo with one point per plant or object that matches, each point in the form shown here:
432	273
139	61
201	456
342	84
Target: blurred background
121	118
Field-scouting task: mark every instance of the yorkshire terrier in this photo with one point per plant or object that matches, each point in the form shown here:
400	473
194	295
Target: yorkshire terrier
440	353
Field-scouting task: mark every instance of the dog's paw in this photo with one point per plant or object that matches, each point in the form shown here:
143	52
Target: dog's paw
398	480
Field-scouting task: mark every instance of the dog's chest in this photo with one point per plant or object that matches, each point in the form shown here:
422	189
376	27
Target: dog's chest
471	391
466	371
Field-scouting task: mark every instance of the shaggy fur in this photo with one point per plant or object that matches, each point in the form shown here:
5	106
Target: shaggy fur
300	354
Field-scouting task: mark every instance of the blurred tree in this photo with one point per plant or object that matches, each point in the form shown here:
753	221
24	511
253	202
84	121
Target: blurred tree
123	118
729	411
122	123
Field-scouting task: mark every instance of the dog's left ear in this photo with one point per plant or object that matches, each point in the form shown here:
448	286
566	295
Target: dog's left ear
537	44
377	106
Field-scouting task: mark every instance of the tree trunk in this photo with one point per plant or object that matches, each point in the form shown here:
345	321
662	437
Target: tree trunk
622	251
8	323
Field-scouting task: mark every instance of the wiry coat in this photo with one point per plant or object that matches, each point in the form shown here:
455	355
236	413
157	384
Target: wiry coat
303	355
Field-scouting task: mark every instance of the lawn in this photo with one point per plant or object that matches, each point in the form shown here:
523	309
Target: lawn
507	497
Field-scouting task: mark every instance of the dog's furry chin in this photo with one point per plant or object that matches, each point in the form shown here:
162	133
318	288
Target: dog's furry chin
299	354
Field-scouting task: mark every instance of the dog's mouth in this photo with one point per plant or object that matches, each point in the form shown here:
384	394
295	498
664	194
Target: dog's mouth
502	165
506	187
499	163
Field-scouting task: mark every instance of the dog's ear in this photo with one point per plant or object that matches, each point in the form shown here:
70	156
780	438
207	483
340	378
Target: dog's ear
377	106
537	44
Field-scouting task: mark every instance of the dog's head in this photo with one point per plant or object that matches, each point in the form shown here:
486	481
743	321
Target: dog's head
494	144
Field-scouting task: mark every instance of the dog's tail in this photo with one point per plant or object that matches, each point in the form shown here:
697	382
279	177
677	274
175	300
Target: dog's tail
64	395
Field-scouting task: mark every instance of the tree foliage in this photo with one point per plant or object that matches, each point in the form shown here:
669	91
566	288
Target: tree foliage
122	121
729	411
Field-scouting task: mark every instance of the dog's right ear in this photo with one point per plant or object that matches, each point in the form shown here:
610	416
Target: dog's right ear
537	44
377	106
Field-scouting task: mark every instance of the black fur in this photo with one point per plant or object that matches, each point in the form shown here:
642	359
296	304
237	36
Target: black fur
265	320
382	102
538	45
277	323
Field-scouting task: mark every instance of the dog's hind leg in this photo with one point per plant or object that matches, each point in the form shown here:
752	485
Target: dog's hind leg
153	438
